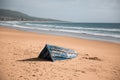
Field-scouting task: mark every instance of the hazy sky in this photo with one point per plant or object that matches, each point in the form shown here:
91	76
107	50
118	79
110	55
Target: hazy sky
68	10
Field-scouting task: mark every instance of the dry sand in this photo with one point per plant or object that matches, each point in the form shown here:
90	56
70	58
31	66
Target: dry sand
97	60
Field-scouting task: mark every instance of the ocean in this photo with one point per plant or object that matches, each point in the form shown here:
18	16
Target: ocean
95	31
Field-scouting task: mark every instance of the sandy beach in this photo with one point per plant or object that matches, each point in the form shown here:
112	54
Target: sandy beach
96	60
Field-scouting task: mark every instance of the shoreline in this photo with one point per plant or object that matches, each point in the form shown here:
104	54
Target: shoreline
90	31
19	50
64	34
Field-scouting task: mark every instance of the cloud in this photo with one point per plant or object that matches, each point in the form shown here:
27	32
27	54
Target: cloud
71	10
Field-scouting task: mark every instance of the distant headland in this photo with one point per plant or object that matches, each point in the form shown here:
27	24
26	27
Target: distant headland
10	15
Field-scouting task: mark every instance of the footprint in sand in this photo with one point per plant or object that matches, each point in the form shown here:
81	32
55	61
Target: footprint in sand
33	75
80	71
92	58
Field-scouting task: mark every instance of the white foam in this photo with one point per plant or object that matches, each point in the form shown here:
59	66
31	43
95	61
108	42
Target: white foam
72	31
79	30
92	33
72	27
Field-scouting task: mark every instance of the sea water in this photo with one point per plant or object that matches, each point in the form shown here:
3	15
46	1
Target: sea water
95	31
